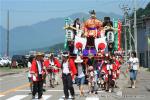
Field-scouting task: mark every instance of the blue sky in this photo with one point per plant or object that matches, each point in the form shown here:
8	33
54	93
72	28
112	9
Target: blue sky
27	12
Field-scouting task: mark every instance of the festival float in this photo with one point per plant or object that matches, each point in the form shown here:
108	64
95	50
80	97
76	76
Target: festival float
93	37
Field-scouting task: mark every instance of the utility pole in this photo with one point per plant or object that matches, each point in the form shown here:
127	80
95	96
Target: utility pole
135	27
7	53
130	36
125	10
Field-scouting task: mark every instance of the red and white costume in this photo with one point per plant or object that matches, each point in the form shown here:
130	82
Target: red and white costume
117	63
34	70
48	63
104	69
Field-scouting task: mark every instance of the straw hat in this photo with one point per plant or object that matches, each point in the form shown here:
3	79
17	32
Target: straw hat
39	54
78	60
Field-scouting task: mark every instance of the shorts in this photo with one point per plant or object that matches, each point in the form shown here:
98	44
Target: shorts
80	81
133	74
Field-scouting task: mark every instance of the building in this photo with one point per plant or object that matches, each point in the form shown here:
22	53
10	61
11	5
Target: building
143	47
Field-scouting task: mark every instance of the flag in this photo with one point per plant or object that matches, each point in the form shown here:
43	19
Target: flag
116	35
81	40
119	34
98	41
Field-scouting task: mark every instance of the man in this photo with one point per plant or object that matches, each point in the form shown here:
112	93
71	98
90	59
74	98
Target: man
68	70
37	73
92	28
52	65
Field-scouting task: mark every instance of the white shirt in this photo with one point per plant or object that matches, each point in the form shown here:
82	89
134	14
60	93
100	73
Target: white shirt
66	68
39	67
134	63
29	66
51	62
109	66
80	71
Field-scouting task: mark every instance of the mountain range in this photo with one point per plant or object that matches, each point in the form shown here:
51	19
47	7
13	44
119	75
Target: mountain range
42	34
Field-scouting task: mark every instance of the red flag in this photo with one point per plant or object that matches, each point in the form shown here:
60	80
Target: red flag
119	34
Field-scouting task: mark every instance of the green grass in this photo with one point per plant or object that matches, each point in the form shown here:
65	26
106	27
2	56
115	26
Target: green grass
148	69
13	70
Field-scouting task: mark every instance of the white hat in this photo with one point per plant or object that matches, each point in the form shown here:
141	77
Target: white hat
65	54
78	60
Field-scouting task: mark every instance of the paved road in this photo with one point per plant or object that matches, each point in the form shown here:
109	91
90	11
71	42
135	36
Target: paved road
15	87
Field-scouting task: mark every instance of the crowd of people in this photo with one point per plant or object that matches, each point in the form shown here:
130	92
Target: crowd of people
98	68
97	72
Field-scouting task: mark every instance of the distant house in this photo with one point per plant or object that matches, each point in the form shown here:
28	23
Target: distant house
143	32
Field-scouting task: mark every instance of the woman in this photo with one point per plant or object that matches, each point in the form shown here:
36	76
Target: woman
81	74
133	68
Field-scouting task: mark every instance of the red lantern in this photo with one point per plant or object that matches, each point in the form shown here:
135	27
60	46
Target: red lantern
101	46
79	45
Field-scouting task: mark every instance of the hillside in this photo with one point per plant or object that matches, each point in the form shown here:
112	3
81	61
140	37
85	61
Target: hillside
43	34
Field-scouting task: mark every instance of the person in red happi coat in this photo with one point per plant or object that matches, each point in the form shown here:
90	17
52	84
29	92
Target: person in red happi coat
52	65
37	72
68	70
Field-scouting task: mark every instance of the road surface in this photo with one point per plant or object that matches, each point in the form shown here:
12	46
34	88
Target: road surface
16	87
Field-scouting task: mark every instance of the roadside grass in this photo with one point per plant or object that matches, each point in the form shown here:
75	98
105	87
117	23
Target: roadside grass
12	70
148	69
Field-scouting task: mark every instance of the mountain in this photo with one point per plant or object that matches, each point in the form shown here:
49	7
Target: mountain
45	33
38	35
2	40
53	48
142	12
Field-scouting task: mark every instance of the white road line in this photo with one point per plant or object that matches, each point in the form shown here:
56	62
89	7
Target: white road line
62	98
54	90
1	96
17	97
46	90
92	98
20	97
45	97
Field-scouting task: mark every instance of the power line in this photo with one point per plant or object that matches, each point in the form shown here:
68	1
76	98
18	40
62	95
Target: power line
123	1
142	4
130	4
